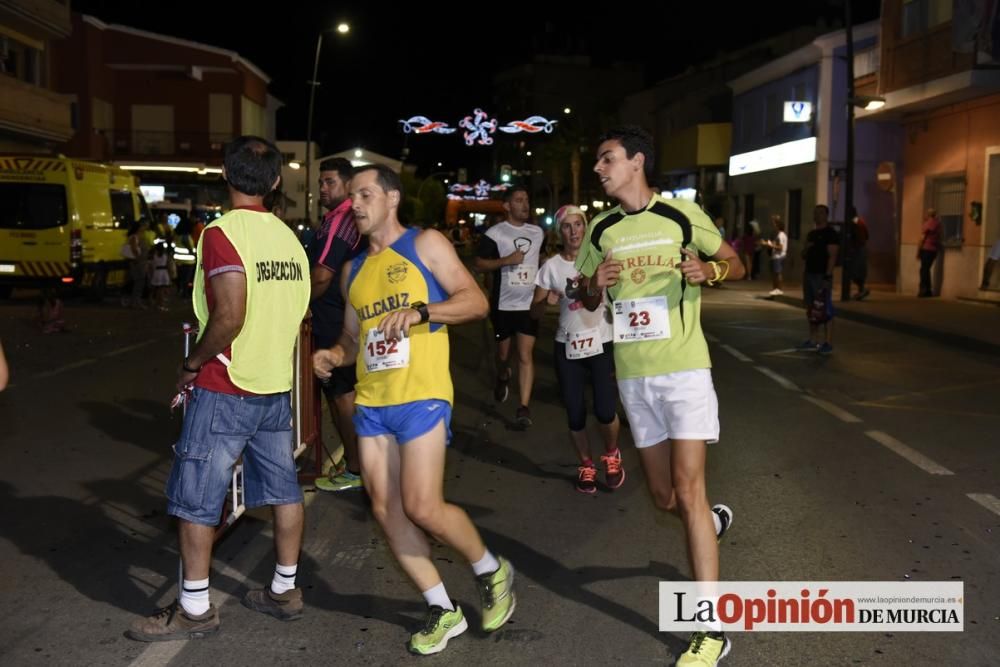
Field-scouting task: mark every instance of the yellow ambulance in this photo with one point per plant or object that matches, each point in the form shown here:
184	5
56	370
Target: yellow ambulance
64	221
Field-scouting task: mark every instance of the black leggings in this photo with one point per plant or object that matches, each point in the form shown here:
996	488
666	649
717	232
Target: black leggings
572	377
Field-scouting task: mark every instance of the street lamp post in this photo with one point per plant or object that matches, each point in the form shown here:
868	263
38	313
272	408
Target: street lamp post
846	252
343	29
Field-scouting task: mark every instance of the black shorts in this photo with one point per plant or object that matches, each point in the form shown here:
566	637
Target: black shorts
341	382
343	379
506	323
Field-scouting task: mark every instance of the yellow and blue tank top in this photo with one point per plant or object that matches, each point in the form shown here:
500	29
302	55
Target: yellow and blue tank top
378	284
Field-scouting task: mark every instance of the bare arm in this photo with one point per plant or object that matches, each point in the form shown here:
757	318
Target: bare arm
727	254
465	302
831	260
320	280
697	272
604	277
484	265
4	371
540	301
224	324
346	350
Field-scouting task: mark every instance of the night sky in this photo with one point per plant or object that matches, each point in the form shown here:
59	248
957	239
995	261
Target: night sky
438	62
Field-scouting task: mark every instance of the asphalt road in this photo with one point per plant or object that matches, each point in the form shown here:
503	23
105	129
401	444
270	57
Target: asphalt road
873	464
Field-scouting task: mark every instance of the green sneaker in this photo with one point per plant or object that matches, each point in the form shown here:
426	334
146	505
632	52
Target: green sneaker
440	626
341	482
706	650
496	591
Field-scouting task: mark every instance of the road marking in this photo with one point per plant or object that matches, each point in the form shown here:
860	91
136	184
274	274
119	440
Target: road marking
736	353
123	350
924	393
67	367
710	338
839	413
780	379
791	351
987	500
908	453
87	362
922	408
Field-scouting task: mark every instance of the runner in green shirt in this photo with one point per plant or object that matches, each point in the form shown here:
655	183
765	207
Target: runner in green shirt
645	253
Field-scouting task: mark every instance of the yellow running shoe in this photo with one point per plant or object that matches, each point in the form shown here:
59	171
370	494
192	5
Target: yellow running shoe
706	650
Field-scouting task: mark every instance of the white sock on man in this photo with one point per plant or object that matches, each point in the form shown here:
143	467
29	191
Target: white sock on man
713	625
194	596
438	597
485	565
284	578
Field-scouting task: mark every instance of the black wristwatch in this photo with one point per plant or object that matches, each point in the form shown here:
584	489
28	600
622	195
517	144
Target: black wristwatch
421	308
188	369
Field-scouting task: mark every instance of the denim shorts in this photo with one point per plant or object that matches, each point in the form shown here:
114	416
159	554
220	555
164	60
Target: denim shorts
218	429
404	422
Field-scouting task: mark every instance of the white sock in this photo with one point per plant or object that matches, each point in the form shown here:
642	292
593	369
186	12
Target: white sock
284	578
710	626
485	565
438	597
718	523
194	596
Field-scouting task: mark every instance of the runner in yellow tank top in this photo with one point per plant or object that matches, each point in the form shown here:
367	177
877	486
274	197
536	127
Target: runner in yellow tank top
401	294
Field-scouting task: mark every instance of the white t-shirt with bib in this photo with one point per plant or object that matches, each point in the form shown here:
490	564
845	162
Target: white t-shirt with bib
560	275
517	282
781	240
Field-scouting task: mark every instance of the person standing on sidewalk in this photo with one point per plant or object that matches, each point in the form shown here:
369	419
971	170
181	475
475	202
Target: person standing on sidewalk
512	251
859	254
644	253
820	253
582	348
930	246
336	242
779	250
4	369
251	291
403	293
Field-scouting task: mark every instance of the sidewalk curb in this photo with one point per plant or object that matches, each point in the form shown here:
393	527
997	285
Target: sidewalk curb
965	343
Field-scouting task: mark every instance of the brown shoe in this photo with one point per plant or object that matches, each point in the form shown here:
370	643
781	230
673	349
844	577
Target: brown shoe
172	622
285	607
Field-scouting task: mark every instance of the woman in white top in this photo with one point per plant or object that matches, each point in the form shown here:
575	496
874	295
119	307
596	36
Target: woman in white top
582	347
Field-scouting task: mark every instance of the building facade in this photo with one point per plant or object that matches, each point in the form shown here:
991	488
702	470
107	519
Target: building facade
162	106
940	78
34	117
790	147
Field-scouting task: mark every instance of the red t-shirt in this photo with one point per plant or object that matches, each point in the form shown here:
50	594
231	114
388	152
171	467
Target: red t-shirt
219	256
932	234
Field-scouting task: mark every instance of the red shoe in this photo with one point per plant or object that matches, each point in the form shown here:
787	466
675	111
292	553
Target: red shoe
586	482
614	474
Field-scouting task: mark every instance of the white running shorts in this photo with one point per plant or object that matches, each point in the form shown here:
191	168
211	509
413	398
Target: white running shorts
676	406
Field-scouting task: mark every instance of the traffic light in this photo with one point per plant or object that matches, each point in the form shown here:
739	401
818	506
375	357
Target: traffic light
505	173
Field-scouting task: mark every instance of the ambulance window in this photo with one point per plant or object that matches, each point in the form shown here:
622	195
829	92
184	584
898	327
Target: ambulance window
122	209
32	205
